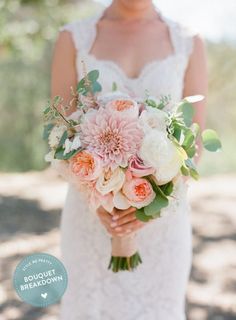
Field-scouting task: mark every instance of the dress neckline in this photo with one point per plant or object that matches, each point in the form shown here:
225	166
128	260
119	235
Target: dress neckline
147	66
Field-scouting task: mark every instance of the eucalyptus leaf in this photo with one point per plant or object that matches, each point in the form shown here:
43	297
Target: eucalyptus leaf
194	174
210	140
59	154
191	151
56	99
189	163
63	138
151	103
177	132
156	205
114	86
47	130
188	111
167	188
195	129
94	86
184	170
140	215
188	139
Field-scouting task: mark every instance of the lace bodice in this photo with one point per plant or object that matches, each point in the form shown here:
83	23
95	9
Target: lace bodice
156	290
172	68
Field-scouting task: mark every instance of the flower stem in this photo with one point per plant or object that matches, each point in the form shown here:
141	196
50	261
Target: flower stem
124	263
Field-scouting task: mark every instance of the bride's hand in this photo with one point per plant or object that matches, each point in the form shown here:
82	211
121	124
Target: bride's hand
120	222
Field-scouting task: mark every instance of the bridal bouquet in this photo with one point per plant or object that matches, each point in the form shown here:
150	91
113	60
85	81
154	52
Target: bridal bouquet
121	151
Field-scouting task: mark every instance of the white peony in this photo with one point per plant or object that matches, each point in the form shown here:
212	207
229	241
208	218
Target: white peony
153	118
110	181
161	153
55	135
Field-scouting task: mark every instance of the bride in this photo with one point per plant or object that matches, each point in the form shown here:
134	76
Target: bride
134	45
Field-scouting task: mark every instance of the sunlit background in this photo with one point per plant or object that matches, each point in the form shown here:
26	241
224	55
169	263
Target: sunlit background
31	195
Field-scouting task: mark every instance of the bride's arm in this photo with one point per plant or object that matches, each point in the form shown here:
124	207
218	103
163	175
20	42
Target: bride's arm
196	82
63	69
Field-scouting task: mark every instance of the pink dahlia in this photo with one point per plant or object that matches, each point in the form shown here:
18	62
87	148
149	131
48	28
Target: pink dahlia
112	136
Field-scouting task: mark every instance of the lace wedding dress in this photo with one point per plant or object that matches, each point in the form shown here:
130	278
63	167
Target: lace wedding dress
156	289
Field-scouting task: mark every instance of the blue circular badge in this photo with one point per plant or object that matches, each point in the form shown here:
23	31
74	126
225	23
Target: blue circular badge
40	279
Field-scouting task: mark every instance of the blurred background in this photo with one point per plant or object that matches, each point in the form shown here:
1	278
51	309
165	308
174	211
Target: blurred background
31	195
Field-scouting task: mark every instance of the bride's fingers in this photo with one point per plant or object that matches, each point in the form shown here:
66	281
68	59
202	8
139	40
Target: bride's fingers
130	226
123	220
117	214
104	216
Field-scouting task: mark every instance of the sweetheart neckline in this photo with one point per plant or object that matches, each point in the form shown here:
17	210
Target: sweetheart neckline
96	18
144	70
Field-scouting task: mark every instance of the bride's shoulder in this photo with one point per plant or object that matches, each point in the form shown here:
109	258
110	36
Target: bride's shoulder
75	24
80	29
182	29
186	37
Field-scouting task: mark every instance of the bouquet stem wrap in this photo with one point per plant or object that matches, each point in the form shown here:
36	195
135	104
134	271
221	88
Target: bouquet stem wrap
125	254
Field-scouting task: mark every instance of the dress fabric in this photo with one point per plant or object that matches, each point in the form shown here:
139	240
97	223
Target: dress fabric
156	289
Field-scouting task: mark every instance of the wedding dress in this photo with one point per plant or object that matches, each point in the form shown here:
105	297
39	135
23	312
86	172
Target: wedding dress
156	289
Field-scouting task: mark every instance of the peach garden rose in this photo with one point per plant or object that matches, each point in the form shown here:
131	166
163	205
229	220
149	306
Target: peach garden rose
85	165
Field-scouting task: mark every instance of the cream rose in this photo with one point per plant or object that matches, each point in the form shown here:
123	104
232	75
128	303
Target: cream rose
152	118
110	181
161	153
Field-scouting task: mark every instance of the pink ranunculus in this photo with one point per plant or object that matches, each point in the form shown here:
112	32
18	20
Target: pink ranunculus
139	192
138	168
85	165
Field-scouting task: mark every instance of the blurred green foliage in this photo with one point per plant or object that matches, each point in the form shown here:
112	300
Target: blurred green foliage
28	29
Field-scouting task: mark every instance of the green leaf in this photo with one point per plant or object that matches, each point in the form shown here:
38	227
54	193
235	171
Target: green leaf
156	205
140	215
195	129
188	139
63	138
151	103
210	140
184	170
47	130
114	86
56	99
194	174
177	132
188	111
94	85
189	163
191	151
167	188
46	110
93	75
59	153
192	169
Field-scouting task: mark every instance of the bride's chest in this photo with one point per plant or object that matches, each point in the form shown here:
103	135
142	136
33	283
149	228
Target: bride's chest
159	77
132	46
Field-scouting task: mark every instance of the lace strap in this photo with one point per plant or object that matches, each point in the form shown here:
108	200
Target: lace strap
83	31
183	37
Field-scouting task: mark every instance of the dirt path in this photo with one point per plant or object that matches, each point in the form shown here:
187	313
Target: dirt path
30	206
